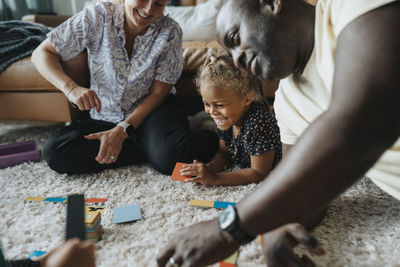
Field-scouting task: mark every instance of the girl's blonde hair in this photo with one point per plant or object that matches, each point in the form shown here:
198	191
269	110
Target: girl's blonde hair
221	72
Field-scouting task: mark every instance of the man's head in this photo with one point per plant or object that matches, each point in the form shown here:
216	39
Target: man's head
258	37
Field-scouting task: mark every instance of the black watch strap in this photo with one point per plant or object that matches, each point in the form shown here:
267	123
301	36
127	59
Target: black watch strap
229	222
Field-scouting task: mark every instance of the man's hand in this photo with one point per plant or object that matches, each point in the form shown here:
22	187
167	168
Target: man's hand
198	245
201	173
278	246
70	253
84	98
111	142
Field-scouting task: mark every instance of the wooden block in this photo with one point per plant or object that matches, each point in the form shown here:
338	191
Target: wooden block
232	258
75	218
127	214
36	254
91	218
55	199
34	199
90	209
201	203
223	204
95	200
176	173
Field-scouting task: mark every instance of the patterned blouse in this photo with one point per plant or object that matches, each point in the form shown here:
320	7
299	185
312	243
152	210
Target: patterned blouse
259	134
120	82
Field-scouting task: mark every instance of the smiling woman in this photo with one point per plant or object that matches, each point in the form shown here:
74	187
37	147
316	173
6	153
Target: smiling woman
135	58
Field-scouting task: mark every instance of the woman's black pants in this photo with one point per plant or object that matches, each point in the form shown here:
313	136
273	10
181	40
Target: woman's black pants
163	139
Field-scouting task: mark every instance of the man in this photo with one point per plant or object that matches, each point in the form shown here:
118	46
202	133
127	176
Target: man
338	102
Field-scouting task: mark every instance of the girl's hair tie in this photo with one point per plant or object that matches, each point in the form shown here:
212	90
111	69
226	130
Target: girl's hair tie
213	59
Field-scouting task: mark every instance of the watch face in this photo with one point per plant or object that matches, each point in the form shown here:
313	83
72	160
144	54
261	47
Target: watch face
226	217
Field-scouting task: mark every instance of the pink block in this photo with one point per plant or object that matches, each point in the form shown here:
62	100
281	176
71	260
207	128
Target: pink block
16	153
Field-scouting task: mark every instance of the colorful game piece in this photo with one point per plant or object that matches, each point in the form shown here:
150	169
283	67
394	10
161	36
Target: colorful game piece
222	204
55	199
91	218
176	174
36	253
201	203
89	209
210	203
95	200
127	214
34	199
16	153
75	217
230	261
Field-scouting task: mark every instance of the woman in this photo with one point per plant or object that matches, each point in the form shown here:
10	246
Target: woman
134	56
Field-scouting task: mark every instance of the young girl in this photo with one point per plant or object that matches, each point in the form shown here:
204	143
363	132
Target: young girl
247	129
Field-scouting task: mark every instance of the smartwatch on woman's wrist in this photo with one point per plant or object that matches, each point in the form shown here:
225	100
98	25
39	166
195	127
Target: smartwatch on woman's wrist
128	129
228	221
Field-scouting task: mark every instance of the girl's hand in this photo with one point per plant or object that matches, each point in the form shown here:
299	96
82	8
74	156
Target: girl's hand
111	142
200	172
84	98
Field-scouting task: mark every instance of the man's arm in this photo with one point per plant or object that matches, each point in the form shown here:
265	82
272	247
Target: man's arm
361	122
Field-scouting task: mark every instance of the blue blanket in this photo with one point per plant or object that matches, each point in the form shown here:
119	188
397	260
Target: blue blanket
18	39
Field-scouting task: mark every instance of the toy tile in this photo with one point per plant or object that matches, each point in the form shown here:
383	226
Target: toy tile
90	209
55	199
127	214
95	201
176	173
92	217
95	234
16	153
36	253
201	203
92	227
222	204
230	261
34	199
226	264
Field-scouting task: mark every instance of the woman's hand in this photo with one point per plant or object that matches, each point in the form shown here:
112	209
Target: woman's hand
84	98
70	253
278	246
200	172
111	142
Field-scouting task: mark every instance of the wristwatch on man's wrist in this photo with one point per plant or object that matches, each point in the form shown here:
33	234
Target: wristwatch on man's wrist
128	129
228	221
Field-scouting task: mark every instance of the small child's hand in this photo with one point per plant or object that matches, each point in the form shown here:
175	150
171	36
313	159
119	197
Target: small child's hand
200	172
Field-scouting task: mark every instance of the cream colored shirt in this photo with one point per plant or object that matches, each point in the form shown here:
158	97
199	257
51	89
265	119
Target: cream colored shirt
301	99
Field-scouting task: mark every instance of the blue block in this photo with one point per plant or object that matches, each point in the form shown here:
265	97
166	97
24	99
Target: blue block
36	253
222	204
55	199
127	214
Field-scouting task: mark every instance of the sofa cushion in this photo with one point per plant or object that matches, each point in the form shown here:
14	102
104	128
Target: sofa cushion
197	22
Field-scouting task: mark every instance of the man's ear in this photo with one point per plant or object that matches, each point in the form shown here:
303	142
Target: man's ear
270	6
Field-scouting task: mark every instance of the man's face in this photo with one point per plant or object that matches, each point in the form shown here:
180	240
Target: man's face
256	41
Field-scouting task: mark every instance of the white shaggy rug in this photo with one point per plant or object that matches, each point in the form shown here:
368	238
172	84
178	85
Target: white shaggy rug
362	227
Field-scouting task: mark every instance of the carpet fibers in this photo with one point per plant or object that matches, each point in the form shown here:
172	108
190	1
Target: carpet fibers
362	227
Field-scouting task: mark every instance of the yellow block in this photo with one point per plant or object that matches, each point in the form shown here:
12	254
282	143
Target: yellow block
232	258
34	199
201	203
96	209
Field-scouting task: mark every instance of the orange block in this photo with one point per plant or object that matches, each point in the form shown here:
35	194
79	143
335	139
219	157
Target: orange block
176	174
226	264
96	200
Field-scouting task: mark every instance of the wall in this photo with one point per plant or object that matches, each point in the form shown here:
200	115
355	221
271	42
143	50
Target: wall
68	7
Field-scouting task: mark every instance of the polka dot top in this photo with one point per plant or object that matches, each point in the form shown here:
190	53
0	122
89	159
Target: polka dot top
259	134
